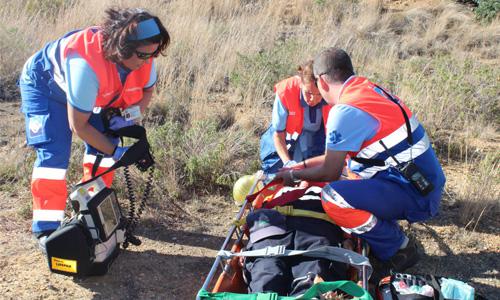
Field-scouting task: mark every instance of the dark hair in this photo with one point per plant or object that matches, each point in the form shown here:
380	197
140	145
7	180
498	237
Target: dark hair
120	24
306	73
335	63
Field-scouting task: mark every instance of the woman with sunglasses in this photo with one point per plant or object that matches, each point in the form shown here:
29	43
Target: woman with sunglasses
67	85
299	117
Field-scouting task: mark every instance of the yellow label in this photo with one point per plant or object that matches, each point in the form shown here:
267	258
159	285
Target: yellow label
65	265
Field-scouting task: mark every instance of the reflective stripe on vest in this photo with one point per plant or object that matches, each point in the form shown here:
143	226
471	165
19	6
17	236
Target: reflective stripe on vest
392	132
88	44
288	91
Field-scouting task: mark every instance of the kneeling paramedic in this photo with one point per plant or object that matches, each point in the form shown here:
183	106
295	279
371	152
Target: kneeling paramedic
399	174
297	131
66	87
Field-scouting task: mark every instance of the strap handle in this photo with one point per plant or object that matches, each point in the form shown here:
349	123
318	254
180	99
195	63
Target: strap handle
352	258
313	292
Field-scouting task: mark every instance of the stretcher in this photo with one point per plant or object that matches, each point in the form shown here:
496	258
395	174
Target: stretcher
226	274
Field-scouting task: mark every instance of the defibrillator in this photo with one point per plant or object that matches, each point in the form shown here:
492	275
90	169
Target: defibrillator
87	243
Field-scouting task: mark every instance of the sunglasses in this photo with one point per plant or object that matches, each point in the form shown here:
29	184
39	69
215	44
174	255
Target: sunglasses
144	55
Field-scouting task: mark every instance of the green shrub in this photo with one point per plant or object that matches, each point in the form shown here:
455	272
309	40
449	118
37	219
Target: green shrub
201	157
487	10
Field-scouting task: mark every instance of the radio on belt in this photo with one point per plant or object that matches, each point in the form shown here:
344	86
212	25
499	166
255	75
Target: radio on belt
132	113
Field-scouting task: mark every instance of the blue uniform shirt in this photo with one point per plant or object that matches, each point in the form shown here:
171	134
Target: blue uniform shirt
313	119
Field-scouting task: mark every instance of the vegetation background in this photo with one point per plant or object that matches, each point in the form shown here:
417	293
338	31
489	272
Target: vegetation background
213	100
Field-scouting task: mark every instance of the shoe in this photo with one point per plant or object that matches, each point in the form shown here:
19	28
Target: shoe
41	239
380	270
41	243
405	258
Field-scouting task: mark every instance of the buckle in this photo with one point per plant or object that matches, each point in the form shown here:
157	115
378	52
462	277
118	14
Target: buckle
275	250
284	210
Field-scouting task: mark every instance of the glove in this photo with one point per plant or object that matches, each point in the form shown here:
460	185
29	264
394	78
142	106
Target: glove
119	151
289	164
118	122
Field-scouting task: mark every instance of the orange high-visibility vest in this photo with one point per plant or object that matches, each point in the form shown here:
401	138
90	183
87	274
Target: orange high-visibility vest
112	93
359	92
288	91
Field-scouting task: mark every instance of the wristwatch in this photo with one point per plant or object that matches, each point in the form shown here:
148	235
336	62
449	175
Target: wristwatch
294	179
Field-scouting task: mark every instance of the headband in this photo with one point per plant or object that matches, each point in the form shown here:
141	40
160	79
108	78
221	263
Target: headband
145	29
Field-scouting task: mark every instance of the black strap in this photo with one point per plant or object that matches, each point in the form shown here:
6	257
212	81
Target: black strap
369	161
433	282
380	162
405	116
97	163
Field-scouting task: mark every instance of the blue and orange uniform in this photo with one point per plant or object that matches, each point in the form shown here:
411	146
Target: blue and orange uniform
368	125
304	126
71	70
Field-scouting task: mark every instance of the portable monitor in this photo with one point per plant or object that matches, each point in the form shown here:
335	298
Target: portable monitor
106	214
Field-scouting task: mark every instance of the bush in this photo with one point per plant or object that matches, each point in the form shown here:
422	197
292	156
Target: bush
200	157
487	10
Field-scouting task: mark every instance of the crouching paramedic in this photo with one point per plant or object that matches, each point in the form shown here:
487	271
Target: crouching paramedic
297	131
63	84
400	176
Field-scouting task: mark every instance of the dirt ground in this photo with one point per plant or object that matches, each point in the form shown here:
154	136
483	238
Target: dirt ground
180	240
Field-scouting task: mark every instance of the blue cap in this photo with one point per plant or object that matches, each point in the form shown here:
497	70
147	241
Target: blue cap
264	223
145	29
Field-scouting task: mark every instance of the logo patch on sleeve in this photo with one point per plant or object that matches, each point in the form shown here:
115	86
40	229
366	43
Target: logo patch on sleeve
334	137
35	126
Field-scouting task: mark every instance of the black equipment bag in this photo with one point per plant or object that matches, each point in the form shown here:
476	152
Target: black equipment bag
70	249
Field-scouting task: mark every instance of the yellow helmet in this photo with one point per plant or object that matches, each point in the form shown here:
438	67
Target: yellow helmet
242	187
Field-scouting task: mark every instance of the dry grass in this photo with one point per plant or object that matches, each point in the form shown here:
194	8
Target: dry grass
226	54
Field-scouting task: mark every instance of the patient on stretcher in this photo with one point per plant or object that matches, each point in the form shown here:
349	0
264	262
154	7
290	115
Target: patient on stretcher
295	219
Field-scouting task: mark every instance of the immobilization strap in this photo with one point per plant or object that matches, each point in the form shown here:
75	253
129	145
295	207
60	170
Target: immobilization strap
289	210
352	258
314	292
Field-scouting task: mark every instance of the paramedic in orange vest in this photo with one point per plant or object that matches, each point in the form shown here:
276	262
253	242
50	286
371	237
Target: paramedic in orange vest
400	176
66	85
297	130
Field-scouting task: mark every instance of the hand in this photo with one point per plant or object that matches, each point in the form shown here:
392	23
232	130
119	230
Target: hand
118	122
289	164
304	184
286	175
119	151
292	165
